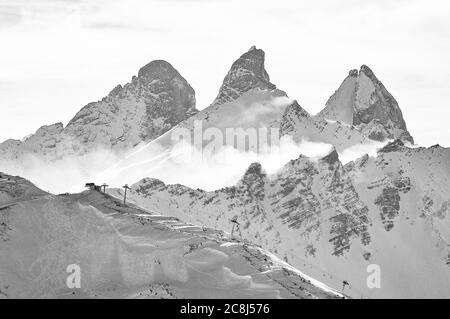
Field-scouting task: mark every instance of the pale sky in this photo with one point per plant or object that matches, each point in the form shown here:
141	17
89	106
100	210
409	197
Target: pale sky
58	55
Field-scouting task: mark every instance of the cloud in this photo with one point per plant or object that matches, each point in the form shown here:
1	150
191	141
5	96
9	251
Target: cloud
356	151
9	15
62	175
187	165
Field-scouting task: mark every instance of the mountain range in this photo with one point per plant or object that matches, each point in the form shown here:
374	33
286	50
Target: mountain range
330	219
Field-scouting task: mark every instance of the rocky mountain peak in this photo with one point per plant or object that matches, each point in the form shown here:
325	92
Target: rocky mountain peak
353	73
252	61
158	69
155	101
363	101
292	117
58	127
253	181
147	184
367	71
394	146
332	157
246	73
253	174
255	169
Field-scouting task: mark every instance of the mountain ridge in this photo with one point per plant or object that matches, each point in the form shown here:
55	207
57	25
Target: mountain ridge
153	102
335	219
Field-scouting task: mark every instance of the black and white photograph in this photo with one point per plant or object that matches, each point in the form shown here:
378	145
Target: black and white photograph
225	150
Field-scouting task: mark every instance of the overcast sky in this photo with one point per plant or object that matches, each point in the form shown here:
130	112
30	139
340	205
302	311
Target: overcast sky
58	55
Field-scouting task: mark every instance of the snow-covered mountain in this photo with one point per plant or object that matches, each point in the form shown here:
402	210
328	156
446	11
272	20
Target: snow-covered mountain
246	73
363	101
102	132
152	103
246	99
331	218
123	251
359	111
142	120
247	102
333	221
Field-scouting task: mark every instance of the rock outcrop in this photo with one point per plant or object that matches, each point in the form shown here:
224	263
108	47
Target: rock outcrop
363	101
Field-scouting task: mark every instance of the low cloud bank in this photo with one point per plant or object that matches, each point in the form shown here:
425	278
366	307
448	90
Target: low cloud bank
180	164
356	151
186	165
62	175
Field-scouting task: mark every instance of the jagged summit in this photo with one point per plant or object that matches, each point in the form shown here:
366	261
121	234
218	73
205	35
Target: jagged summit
252	61
158	69
366	70
151	104
255	169
155	101
353	72
246	73
363	69
332	156
362	100
254	174
394	146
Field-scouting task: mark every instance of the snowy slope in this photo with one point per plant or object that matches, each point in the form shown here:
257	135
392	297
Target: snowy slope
333	222
127	252
16	188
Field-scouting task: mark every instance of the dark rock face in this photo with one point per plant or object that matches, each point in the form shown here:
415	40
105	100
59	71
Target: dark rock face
331	158
251	191
294	202
350	217
245	74
307	197
254	181
395	146
155	101
389	200
150	184
357	164
291	116
176	98
383	107
389	203
368	105
166	96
